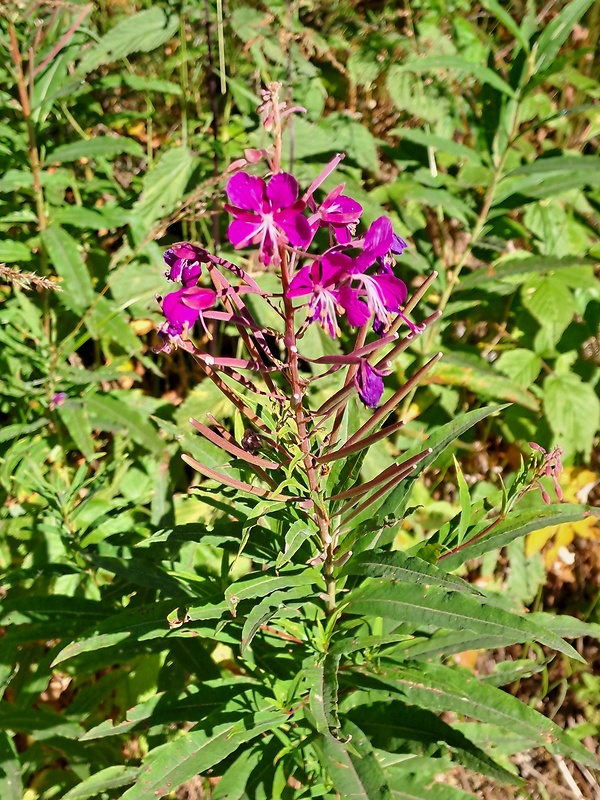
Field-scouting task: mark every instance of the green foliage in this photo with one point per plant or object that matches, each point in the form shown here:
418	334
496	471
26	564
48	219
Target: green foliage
150	636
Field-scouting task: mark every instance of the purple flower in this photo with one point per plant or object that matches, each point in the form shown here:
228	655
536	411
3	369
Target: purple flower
57	400
267	214
184	260
369	384
339	283
321	279
183	308
381	295
338	211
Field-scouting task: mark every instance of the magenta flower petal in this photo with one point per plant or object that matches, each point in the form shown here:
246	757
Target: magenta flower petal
357	311
198	298
379	238
246	192
178	314
369	384
393	290
295	227
282	191
242	232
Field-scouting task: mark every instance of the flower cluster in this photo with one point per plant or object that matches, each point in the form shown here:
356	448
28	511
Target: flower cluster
352	276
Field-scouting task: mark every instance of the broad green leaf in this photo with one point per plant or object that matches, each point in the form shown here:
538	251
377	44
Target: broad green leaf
109	412
164	185
516	525
138	33
551	303
66	259
109	778
432	605
352	766
572	408
440	689
513	267
557	32
11	785
522	366
170	765
96	147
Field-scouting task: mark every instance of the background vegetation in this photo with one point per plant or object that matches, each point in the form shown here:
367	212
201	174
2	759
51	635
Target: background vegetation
475	127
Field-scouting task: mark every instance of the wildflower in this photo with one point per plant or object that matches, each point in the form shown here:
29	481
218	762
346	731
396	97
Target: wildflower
381	294
339	212
267	214
57	400
321	280
369	383
183	308
184	261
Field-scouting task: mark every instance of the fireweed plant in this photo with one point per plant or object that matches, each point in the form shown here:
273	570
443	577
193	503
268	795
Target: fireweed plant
334	647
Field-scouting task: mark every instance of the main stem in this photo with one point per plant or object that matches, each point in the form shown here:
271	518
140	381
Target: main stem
310	468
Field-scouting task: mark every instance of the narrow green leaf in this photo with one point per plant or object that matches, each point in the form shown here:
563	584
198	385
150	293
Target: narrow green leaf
77	422
517	525
432	605
96	147
513	267
109	778
170	765
504	17
462	65
557	32
440	688
266	584
66	259
270	607
110	413
12	250
11	785
352	766
398	566
232	784
323	693
478	376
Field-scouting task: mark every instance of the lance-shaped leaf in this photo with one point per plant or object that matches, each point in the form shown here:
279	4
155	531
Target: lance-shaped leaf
264	585
433	605
170	765
399	566
352	766
440	688
103	781
322	680
286	603
513	527
232	448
